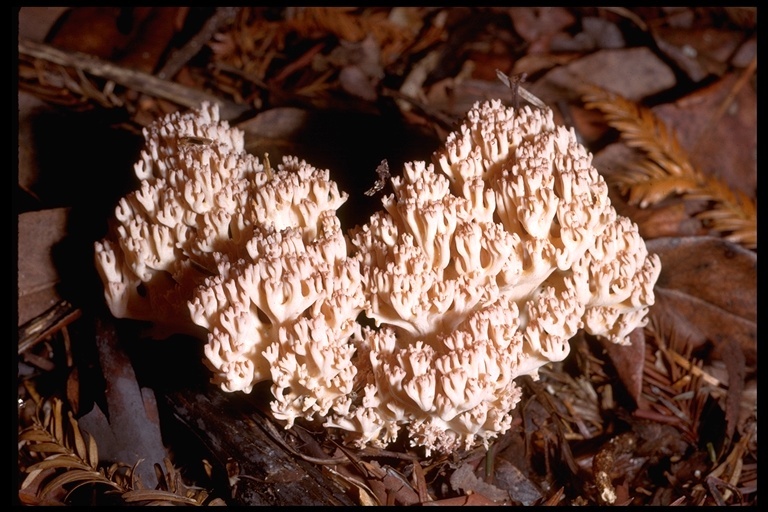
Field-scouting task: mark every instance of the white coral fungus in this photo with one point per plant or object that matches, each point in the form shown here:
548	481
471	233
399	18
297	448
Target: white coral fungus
479	268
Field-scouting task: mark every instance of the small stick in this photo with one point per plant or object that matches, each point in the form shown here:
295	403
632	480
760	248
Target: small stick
135	80
513	82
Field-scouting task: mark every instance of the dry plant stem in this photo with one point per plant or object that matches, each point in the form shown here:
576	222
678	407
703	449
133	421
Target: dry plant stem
222	16
136	80
53	320
445	121
695	370
302	61
734	462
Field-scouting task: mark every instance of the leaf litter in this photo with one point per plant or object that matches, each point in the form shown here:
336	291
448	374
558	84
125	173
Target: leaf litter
670	420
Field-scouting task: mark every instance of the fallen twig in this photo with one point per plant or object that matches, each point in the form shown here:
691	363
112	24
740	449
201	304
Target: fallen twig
136	80
54	319
177	60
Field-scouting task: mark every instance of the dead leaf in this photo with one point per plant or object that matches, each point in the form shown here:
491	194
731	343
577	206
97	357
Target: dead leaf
354	81
538	63
36	22
537	25
707	291
275	131
634	73
464	479
699	52
134	36
455	97
360	65
420	483
596	33
152	38
390	487
508	477
746	53
717	126
73	390
30	107
363	54
108	30
628	362
733	357
719	272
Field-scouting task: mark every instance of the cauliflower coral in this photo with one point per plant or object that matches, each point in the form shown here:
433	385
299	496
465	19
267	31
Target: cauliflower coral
479	268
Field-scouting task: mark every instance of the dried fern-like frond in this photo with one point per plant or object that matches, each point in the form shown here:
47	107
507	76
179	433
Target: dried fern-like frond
66	458
642	130
649	183
734	213
666	169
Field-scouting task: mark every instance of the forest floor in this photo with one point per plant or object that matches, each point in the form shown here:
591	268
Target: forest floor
664	98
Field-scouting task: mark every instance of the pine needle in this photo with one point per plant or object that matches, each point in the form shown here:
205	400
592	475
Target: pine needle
666	169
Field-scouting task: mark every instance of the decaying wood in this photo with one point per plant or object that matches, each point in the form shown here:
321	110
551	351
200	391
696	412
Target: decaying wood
233	429
58	316
133	418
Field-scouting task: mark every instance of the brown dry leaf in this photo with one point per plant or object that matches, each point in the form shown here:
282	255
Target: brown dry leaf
700	51
707	292
390	487
535	63
135	37
464	479
628	362
275	132
36	22
360	66
420	483
717	126
508	477
733	357
456	97
537	25
634	73
673	218
97	31
596	33
354	24
28	164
